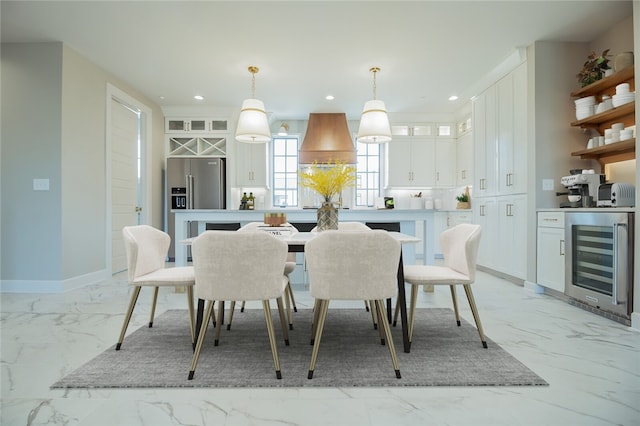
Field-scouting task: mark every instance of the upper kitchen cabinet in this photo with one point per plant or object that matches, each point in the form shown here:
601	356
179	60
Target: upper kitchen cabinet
211	146
500	122
251	164
422	155
464	157
195	125
617	151
411	162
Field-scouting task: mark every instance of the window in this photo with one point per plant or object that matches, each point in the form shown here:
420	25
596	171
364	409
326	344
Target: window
285	171
368	173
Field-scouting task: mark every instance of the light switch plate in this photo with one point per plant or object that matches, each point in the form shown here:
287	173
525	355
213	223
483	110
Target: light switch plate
547	184
41	184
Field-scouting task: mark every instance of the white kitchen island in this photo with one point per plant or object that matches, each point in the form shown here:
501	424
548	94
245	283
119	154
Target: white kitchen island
413	222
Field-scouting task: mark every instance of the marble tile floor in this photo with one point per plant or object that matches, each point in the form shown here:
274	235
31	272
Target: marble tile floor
592	366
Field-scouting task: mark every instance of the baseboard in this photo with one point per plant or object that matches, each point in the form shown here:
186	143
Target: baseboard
52	286
502	275
535	287
635	321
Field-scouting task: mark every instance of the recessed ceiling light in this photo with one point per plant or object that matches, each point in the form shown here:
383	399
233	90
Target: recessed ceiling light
453	97
198	97
329	97
162	97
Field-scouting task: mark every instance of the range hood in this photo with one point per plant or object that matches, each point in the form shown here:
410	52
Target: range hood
327	140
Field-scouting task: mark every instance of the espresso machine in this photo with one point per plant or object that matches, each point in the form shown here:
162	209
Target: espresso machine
583	188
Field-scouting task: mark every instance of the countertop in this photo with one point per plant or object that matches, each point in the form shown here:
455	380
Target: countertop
590	210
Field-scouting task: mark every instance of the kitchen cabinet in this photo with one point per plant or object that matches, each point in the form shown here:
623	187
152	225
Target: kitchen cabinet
422	162
464	159
195	125
617	151
445	162
500	136
550	250
503	245
251	164
411	162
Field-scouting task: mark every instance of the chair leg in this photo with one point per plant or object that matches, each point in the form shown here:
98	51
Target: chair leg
323	306
381	319
395	315
387	331
316	317
203	332
293	299
127	317
455	303
288	297
412	309
374	316
476	315
192	323
216	341
272	337
242	306
366	306
283	321
232	308
153	306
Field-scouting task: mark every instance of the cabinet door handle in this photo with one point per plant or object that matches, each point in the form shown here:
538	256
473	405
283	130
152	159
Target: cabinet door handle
561	247
437	176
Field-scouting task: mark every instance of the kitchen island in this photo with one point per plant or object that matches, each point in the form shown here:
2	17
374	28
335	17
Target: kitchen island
412	222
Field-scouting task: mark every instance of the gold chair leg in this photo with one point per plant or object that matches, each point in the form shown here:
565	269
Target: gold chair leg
476	315
366	306
216	341
127	317
395	315
242	306
288	298
387	331
455	303
153	306
283	321
232	308
323	306
203	332
192	322
412	309
272	337
374	315
316	316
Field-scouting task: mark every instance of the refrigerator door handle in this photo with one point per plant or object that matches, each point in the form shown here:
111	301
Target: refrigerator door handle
189	179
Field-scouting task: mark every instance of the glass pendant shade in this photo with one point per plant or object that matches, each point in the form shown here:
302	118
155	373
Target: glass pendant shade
253	126
374	123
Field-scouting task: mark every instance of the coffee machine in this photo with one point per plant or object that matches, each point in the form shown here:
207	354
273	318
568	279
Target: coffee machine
583	188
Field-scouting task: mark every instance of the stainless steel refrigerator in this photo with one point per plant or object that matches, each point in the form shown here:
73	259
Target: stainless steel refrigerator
194	183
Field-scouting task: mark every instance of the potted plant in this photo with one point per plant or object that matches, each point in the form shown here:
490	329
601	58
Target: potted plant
594	68
463	200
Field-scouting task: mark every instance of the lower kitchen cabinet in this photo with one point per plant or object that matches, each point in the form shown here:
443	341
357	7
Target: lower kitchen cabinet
503	246
550	250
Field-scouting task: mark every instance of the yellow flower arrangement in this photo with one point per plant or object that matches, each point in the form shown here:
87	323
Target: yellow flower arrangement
328	179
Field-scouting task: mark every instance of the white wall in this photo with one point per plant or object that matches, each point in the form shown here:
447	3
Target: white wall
55	240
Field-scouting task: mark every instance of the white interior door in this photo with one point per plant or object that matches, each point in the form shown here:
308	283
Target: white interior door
125	205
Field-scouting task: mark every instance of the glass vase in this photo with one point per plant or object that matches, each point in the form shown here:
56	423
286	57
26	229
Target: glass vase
327	216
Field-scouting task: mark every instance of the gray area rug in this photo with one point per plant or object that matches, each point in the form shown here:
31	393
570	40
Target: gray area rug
442	354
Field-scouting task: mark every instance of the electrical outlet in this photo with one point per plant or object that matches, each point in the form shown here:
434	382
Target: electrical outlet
547	184
41	184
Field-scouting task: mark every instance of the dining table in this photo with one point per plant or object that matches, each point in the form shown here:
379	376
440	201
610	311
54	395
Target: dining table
296	242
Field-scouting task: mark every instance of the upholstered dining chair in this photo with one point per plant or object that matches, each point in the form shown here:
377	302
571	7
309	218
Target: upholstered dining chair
352	266
239	266
147	249
460	249
289	267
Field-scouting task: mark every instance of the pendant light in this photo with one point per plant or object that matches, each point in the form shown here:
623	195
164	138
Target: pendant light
374	123
253	126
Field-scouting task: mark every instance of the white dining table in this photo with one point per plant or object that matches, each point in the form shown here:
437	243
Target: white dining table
296	242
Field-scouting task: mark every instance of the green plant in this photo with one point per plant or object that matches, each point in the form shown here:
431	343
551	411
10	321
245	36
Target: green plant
462	198
593	69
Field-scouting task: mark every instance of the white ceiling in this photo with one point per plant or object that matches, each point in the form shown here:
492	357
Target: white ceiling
427	50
